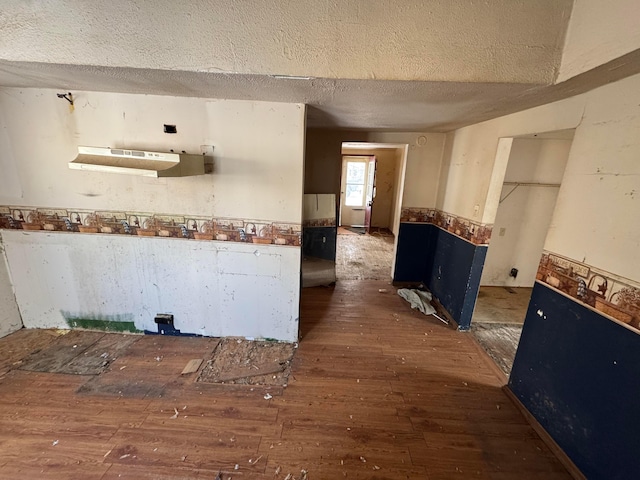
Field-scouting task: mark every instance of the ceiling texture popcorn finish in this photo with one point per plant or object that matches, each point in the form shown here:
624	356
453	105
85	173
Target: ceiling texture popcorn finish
401	65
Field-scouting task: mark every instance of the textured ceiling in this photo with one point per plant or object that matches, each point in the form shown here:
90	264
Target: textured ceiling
352	104
497	41
405	65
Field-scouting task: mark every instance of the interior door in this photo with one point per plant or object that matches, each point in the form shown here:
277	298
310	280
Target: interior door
370	193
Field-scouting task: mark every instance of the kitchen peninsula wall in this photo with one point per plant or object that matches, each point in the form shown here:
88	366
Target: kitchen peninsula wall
256	187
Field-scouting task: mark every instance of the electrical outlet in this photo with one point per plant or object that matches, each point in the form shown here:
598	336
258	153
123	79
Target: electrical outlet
207	153
206	150
502	232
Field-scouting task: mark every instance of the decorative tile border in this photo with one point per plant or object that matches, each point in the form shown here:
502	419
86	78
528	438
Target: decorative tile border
610	294
149	225
319	222
474	232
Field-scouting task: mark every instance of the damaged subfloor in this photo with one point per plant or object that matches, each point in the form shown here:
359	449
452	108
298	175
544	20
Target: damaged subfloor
364	257
497	322
375	391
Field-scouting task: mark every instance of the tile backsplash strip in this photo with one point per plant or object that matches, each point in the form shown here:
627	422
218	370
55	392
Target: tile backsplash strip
474	232
609	294
150	225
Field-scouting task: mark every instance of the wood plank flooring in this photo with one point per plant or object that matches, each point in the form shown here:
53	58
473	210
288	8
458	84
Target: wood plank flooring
377	391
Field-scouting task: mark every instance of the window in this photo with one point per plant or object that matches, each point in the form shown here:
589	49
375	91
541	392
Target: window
355	184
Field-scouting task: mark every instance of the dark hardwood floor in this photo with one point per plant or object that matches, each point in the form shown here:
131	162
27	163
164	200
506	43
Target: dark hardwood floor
377	391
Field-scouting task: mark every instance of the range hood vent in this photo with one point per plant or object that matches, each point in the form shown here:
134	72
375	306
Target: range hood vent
136	162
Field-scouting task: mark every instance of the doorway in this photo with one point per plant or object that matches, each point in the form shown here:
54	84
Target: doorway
357	192
532	179
371	188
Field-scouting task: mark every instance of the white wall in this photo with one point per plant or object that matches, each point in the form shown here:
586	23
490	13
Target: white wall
258	175
524	216
599	31
449	40
319	206
323	162
424	159
396	202
258	151
597	210
212	288
10	320
470	156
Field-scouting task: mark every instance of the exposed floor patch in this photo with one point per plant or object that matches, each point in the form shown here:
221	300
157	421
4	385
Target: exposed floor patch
364	257
497	322
500	341
504	305
244	362
78	353
148	370
23	343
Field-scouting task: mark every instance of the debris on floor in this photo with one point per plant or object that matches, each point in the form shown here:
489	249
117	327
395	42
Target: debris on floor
418	299
249	362
192	366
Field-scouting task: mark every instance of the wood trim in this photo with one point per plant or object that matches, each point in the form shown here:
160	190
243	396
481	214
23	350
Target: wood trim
571	467
440	310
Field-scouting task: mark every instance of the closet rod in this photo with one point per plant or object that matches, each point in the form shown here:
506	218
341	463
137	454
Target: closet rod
532	184
525	184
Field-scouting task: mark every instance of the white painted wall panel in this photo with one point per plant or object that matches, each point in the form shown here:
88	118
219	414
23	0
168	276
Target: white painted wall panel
258	153
212	288
524	216
10	320
597	210
599	31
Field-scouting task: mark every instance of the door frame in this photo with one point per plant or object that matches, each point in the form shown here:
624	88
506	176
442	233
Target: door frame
403	148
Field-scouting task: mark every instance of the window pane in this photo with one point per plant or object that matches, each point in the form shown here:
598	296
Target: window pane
354	195
355	172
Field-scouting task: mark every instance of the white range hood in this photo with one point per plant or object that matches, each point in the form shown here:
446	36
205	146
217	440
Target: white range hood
137	162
